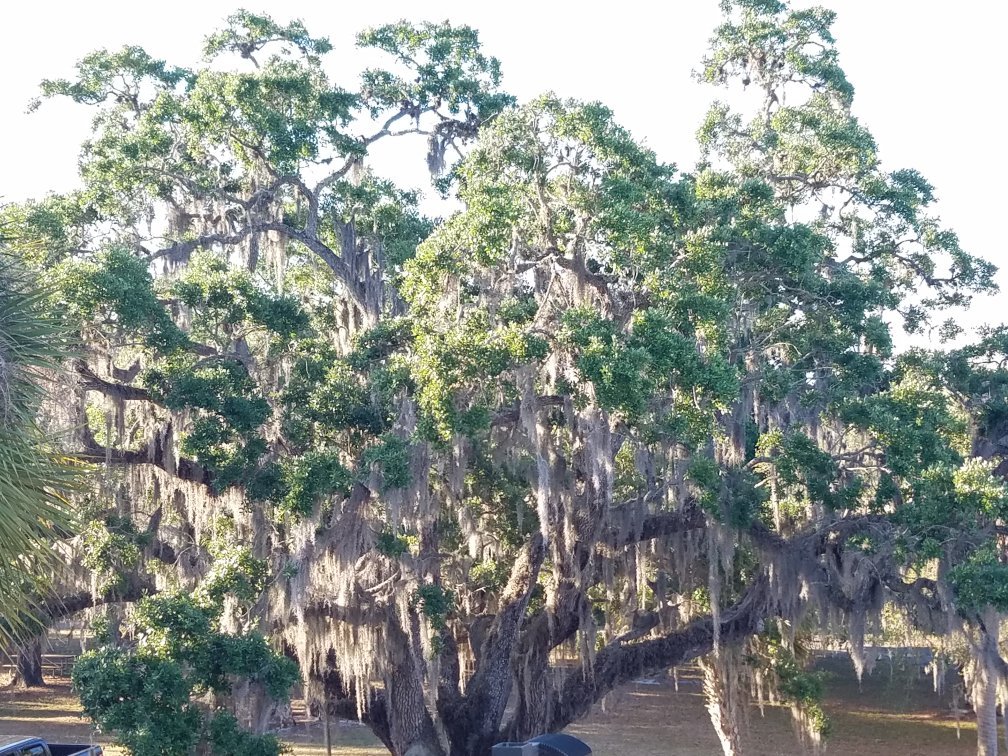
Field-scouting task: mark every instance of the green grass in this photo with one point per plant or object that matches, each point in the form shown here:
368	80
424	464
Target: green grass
894	710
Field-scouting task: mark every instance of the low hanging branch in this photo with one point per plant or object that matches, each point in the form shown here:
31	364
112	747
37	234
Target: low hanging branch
620	663
691	517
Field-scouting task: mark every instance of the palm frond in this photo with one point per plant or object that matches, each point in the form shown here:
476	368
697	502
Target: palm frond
34	477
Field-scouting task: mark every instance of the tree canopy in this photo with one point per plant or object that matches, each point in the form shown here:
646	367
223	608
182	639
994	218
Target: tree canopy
643	413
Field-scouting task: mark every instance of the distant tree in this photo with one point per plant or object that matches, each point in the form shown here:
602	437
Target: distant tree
645	415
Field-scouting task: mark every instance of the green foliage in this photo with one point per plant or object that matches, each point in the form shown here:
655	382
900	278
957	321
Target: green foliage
946	499
500	496
391	456
386	338
435	603
592	338
143	699
286	112
116	290
382	214
340	401
224	435
35	477
914	420
144	693
116	76
234	572
171	626
489	576
227	304
247	33
812	145
219	386
455	370
704	473
798	461
628	372
111	551
981	581
228	739
393	545
310	478
445	67
793	681
41	233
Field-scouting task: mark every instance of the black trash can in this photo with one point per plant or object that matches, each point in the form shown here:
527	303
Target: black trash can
560	744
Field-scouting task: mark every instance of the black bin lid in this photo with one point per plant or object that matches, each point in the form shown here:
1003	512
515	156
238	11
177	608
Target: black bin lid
561	744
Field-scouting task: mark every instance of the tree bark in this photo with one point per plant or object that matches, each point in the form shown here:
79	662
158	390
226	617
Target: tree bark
28	664
411	726
157	454
986	679
478	723
92	381
473	719
28	658
719	690
533	673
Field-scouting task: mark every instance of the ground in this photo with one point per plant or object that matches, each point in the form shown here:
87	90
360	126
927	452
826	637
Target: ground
894	710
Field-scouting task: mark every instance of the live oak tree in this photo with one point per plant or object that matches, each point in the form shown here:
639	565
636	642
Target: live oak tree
607	407
897	442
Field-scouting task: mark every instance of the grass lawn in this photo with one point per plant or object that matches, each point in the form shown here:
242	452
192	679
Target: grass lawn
894	710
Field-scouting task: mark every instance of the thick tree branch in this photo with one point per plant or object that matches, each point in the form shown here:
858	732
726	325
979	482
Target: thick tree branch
375	715
628	657
348	164
412	728
359	616
55	608
619	663
507	415
93	382
690	517
547	629
335	262
156	454
342	701
475	726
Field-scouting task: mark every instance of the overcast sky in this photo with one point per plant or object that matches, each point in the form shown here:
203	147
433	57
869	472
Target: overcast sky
928	77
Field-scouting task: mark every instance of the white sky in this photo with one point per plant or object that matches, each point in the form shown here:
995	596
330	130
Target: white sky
928	77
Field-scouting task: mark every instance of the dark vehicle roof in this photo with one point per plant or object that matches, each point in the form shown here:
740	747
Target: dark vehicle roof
19	744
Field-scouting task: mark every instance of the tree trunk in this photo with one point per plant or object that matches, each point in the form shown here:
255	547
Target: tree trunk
28	665
985	706
326	732
488	690
986	678
412	729
722	703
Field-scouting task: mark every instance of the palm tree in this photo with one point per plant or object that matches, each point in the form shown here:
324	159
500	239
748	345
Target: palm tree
34	476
